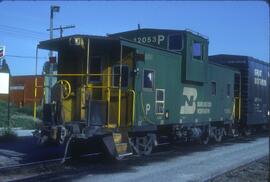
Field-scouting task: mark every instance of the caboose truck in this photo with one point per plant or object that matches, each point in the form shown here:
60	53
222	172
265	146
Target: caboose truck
128	96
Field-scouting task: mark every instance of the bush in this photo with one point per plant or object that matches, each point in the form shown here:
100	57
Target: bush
25	110
22	121
19	117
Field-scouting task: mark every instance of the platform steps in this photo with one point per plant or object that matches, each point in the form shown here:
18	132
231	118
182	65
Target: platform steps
121	144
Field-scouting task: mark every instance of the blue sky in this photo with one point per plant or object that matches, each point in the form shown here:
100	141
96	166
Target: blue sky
232	27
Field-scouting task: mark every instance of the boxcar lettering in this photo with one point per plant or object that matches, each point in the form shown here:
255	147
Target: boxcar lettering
204	104
154	39
257	72
150	39
160	38
203	111
144	40
258	80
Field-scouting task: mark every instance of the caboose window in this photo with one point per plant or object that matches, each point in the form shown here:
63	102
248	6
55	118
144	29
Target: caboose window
116	76
160	101
95	68
213	88
197	50
175	42
148	79
228	90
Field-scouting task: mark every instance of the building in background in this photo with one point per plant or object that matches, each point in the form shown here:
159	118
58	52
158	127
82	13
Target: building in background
22	90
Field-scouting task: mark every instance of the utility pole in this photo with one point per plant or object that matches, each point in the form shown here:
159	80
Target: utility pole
53	9
62	29
50	81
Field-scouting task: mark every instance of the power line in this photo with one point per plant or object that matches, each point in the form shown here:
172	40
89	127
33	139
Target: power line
21	35
23	30
28	57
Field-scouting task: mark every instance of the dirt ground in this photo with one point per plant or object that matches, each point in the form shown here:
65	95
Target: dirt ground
257	171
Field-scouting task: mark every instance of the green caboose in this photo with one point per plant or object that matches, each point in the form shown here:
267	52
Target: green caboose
130	94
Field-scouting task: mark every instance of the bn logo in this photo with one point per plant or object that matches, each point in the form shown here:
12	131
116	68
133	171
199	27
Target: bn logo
190	96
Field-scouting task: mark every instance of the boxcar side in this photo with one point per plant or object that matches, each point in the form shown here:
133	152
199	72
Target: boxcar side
254	87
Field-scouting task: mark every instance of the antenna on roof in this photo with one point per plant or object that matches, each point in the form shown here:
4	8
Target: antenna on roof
62	29
139	26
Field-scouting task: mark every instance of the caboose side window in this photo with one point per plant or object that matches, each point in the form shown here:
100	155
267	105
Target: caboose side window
175	42
95	68
160	101
197	50
213	88
148	79
116	76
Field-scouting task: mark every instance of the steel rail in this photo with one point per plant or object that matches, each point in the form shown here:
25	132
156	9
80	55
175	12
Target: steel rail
45	161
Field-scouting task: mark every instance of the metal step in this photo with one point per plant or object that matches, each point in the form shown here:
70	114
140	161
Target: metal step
117	137
125	155
121	148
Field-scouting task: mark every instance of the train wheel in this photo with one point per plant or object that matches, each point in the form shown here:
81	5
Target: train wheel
144	145
205	138
219	134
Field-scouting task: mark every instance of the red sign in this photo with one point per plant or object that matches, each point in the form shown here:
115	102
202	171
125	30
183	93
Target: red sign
2	51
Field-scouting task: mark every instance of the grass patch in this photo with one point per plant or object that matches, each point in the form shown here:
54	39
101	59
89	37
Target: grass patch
19	117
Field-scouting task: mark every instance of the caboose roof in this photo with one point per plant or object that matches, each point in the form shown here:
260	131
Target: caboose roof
170	31
57	43
230	57
150	30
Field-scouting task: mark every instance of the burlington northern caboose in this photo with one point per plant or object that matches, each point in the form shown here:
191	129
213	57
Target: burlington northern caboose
132	89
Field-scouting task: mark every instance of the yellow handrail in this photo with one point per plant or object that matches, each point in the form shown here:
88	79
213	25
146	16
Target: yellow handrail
109	101
133	105
35	102
35	89
89	86
98	86
119	89
75	74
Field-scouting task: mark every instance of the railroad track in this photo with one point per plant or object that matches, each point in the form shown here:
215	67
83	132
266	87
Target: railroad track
58	160
32	169
53	167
